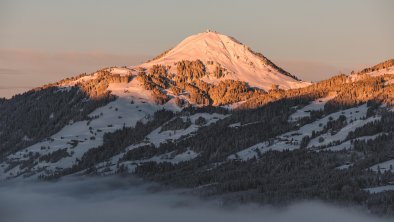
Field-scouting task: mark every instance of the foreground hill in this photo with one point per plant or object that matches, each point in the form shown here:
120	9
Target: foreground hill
182	122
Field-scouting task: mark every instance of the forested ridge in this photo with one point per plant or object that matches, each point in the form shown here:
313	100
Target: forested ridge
204	144
35	115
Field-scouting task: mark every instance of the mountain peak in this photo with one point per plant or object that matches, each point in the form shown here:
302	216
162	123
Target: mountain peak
240	62
210	30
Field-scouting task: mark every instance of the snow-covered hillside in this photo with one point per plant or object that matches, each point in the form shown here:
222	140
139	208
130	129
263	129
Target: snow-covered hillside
135	102
329	140
241	63
384	68
215	117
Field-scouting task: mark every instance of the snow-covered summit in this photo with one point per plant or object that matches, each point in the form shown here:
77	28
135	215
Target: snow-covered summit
239	60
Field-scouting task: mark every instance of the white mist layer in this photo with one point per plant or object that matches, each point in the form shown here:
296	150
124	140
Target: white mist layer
114	199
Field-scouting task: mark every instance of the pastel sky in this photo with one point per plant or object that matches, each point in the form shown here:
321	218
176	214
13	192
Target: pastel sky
43	41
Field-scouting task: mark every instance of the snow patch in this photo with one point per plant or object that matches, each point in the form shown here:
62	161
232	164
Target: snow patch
313	106
158	136
384	166
380	189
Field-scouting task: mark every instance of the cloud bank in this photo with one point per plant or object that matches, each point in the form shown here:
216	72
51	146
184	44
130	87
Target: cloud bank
128	199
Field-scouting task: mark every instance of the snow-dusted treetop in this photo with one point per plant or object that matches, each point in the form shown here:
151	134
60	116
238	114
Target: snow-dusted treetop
239	60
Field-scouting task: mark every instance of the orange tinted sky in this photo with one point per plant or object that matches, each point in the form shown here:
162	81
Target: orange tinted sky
46	40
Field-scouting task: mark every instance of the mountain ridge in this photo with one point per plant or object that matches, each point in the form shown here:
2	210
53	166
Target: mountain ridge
239	60
170	123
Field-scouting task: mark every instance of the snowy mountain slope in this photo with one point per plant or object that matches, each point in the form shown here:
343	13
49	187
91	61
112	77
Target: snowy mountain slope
159	136
313	106
292	140
133	104
384	68
73	141
241	63
389	71
384	166
158	126
380	189
156	138
220	136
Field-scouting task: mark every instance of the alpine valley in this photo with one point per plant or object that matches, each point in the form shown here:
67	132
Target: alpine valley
215	117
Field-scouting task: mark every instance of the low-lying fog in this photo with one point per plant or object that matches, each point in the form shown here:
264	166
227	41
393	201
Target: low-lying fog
116	199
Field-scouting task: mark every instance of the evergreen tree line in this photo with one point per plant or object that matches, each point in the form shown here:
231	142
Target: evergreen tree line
37	114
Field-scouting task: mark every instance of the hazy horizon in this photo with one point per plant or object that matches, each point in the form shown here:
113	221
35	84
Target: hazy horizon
44	41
